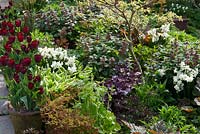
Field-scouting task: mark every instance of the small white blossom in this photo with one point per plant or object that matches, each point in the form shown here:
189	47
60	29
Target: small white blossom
161	72
59	56
56	64
72	69
197	101
165	28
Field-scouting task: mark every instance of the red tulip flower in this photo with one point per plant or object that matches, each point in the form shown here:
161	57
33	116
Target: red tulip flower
20	36
26	61
41	90
30	85
11	63
8	48
18	23
25	30
38	58
30	76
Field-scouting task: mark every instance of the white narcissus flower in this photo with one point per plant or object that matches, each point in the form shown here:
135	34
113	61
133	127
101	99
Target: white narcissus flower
72	68
153	33
71	60
165	28
161	72
56	64
197	101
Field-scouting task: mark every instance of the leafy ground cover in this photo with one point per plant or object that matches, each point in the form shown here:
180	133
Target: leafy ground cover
111	66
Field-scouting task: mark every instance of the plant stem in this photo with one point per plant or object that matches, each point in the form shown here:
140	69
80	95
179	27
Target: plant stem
137	62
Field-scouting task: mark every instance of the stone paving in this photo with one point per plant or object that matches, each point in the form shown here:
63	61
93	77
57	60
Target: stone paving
6	126
5	123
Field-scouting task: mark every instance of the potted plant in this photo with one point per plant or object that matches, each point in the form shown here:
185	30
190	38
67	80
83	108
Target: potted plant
18	62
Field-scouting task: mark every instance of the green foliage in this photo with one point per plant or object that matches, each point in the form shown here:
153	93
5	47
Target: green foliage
171	120
58	20
153	94
90	102
30	5
92	105
100	52
45	38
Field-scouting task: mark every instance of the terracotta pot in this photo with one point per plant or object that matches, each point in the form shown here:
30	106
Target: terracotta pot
26	120
181	25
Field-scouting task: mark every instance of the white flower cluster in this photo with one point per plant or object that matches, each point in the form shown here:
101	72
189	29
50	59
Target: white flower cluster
59	58
185	73
156	33
177	8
